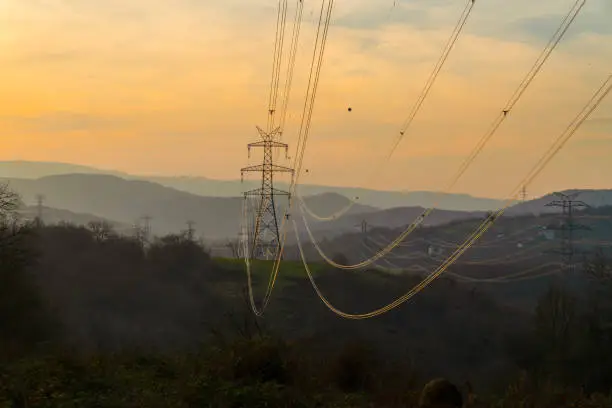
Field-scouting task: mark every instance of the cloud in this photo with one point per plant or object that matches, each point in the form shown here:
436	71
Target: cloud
51	56
541	28
521	20
189	79
599	125
62	122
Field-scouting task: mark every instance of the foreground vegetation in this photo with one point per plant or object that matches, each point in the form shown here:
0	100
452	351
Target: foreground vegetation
255	372
89	318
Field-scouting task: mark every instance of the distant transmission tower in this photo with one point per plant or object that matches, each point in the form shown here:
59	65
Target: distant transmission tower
567	227
364	230
524	194
146	232
190	230
39	209
266	238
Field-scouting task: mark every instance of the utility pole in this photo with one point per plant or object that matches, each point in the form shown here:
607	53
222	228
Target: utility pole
39	209
266	236
567	227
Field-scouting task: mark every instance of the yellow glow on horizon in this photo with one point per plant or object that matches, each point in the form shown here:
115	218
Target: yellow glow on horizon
177	89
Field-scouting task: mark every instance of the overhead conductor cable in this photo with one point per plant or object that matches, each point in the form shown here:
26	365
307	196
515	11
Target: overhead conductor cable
550	47
571	129
415	109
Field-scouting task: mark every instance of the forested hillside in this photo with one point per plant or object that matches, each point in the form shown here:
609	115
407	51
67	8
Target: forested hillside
134	314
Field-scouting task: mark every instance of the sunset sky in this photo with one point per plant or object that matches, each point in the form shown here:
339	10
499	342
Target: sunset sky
176	87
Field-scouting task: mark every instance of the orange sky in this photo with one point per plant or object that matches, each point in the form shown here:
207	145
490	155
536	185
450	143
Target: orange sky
177	87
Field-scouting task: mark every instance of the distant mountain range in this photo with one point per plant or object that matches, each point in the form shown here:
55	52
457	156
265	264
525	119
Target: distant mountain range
51	215
127	201
123	199
233	188
593	198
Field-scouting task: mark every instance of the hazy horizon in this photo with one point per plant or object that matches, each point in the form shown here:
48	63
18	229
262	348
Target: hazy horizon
119	173
160	89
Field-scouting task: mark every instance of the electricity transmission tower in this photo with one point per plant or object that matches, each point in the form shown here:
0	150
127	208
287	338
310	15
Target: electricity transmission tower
146	232
266	238
567	227
39	209
364	230
524	194
190	230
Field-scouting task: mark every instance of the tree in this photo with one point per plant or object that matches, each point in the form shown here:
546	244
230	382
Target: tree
23	319
555	315
10	202
175	254
234	247
101	230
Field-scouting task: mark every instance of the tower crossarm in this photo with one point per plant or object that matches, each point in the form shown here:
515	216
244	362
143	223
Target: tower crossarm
259	191
261	168
268	145
264	143
267	167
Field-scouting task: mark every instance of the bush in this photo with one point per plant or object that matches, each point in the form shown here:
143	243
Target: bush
354	368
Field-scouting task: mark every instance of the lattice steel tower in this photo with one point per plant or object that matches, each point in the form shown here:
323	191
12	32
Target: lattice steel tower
568	226
266	238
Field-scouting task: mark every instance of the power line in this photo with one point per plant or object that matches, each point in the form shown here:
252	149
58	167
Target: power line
277	59
550	47
266	222
571	129
291	66
414	111
303	132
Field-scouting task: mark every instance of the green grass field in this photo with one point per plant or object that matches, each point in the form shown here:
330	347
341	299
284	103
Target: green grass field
261	269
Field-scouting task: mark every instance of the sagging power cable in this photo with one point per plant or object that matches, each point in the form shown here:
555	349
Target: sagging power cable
571	129
277	61
315	70
414	111
550	47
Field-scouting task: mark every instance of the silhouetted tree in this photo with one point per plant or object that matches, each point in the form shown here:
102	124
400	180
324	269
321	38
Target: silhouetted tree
102	230
23	319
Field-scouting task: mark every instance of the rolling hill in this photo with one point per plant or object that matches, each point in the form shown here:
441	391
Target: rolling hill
593	198
206	187
126	201
217	218
56	216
